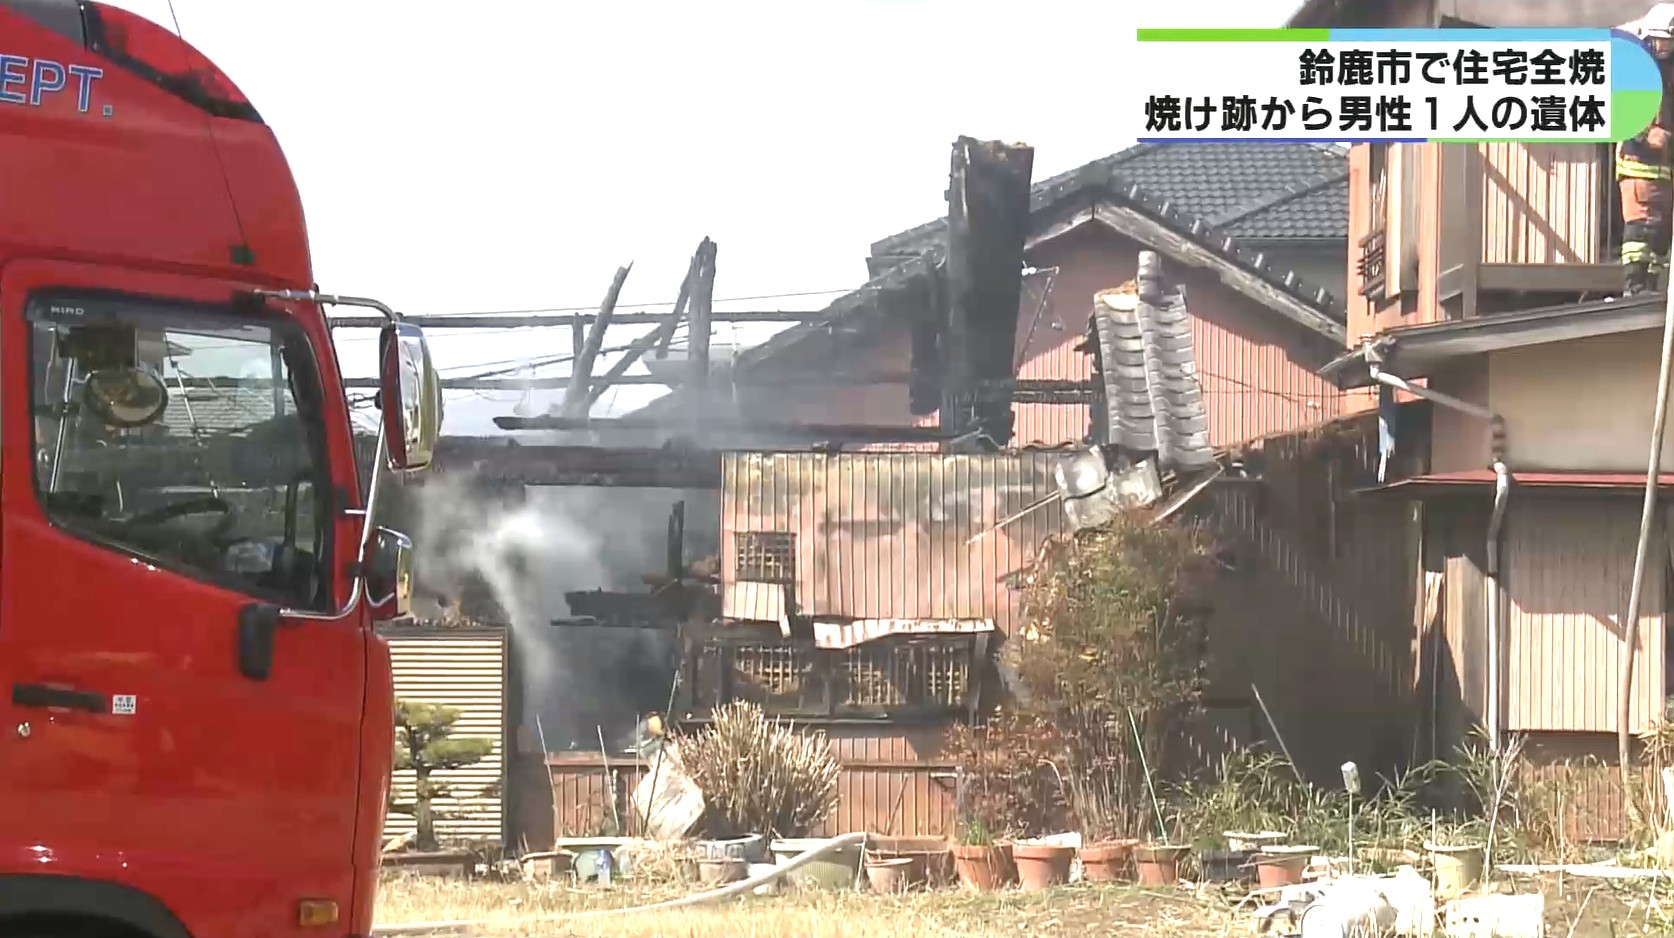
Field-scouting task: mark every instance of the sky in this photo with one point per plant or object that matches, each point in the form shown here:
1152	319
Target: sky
512	154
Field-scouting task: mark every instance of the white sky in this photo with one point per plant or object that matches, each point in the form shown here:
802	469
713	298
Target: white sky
511	154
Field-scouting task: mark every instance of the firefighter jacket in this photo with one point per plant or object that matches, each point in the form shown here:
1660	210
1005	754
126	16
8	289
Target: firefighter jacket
1645	156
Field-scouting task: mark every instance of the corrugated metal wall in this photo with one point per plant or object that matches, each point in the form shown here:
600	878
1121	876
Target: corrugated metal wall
884	535
1569	563
1540	203
464	669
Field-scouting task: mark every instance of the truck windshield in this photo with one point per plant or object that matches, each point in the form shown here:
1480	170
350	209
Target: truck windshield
226	484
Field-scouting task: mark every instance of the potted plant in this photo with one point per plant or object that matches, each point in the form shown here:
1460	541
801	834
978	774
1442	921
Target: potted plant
1041	865
1112	659
982	864
1159	863
1221	859
425	745
762	779
1004	792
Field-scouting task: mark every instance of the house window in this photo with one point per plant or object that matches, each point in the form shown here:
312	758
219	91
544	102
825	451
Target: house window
922	676
766	557
1373	262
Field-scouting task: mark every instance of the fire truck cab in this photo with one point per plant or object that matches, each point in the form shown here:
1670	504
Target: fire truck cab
196	714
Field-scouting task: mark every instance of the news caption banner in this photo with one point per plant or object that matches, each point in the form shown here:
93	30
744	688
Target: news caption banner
1396	85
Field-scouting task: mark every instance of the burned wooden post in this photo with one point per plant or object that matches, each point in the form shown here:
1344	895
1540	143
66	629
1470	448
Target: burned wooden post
576	400
988	218
703	296
925	311
658	337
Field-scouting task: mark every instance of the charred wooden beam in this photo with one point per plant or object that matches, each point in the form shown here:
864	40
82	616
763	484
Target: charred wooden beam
703	295
843	433
507	462
1022	388
576	400
925	313
988	220
658	337
549	320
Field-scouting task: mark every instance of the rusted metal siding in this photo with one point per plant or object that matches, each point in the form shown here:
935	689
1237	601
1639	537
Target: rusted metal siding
464	669
884	535
1569	564
1540	203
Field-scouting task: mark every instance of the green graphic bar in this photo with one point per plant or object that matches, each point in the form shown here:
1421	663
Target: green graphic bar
1234	35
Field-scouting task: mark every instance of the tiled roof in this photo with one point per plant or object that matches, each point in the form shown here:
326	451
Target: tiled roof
1252	190
1263	190
1320	212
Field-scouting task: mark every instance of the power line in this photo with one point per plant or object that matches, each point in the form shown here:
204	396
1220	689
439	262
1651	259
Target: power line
594	307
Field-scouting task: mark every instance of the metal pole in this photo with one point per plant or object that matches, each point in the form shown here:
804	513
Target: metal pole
1647	513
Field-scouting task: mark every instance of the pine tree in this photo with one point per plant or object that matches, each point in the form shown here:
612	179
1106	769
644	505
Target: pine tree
424	743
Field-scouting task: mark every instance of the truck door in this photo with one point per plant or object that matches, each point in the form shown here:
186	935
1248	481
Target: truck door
135	748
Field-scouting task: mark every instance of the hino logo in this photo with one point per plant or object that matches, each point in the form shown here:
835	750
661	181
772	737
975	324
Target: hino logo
66	311
33	82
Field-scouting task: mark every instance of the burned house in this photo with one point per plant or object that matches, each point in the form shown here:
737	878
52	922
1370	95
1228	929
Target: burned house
857	543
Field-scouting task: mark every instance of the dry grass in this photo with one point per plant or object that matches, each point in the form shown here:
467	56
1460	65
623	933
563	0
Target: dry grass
1071	910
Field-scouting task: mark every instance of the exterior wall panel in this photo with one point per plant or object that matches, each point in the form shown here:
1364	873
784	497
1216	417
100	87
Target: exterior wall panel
464	669
885	535
1540	203
1569	564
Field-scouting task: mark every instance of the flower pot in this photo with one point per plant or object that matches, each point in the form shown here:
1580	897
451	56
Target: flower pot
932	862
836	869
1225	866
713	871
1108	861
750	849
1042	866
1159	864
984	868
1458	868
890	876
1241	840
1279	869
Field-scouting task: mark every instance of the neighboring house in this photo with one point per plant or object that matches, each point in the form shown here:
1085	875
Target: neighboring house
1487	272
1256	236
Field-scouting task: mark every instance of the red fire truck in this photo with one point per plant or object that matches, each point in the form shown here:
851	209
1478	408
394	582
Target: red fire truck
195	711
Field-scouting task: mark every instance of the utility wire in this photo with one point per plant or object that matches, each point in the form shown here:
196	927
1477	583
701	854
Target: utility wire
593	307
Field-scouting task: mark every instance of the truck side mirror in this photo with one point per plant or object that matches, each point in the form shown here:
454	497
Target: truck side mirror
389	575
410	393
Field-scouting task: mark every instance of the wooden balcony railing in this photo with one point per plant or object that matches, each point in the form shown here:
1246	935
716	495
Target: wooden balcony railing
1527	219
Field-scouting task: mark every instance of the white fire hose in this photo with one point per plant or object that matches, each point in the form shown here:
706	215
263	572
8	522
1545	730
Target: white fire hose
725	892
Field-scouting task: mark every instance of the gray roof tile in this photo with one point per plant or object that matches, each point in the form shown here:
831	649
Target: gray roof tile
1249	183
1149	366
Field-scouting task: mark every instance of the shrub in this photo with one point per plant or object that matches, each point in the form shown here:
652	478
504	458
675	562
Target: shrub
424	742
760	776
1008	786
1113	654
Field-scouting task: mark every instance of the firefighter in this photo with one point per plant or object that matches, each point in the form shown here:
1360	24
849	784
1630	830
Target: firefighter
1642	170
